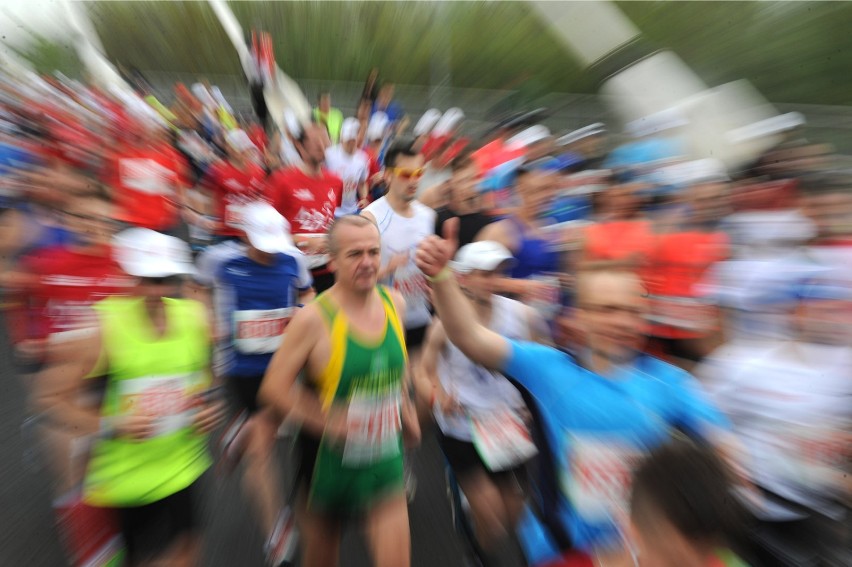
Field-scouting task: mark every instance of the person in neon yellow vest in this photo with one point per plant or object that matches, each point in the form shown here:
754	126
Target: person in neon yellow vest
329	116
159	404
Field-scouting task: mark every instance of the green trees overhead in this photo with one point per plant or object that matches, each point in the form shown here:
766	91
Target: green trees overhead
792	51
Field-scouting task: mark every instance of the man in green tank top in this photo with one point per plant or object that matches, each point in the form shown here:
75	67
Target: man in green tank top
157	409
352	405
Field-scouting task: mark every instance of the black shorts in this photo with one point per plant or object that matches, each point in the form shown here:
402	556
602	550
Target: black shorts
242	391
150	530
464	460
414	337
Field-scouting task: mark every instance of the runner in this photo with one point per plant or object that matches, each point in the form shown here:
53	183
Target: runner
788	399
480	415
598	418
352	166
350	344
328	116
465	202
403	223
256	286
152	427
307	196
233	183
148	177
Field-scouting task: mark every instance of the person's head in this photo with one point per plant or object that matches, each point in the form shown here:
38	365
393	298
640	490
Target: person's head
826	199
478	265
536	187
354	247
324	101
463	182
682	508
708	202
91	218
311	144
621	200
403	170
611	308
349	134
823	314
159	261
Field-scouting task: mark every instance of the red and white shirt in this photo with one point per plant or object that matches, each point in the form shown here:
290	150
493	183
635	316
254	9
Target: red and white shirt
232	189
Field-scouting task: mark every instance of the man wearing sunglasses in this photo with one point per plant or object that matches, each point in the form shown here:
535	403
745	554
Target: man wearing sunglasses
404	222
151	429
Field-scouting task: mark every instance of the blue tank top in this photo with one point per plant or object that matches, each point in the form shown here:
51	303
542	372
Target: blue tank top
534	255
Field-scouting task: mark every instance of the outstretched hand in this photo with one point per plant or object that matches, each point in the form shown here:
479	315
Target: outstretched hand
434	253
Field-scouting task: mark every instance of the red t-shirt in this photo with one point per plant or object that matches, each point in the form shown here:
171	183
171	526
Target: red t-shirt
308	203
66	284
146	182
233	188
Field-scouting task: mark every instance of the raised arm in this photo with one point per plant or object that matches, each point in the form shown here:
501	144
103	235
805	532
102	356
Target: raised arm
477	342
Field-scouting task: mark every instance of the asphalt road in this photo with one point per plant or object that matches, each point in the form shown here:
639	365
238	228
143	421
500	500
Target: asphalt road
28	536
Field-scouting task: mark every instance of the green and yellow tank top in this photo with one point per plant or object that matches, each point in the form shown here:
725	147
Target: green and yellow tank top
367	377
159	376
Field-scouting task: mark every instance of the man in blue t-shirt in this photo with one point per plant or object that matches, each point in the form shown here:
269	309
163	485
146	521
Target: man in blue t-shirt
256	287
600	415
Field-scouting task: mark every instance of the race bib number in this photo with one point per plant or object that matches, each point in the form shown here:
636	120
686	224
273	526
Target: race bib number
260	331
599	478
166	398
146	176
682	312
502	439
233	215
374	429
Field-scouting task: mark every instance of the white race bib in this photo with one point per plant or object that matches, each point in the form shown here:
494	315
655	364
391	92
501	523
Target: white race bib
502	439
374	428
234	215
166	398
682	312
410	282
260	331
599	477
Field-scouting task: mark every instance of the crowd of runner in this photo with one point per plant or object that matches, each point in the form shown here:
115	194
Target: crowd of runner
627	356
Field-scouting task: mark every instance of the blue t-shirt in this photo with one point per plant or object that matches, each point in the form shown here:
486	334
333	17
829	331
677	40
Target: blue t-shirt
598	428
254	303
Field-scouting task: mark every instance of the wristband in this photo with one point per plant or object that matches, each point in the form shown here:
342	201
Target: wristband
442	275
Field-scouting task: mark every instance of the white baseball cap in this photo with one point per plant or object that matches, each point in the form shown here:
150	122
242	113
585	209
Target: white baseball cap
266	229
349	129
377	127
146	253
427	122
448	122
530	136
485	255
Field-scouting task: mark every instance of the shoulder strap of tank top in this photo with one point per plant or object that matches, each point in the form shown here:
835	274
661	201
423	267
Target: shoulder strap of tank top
327	307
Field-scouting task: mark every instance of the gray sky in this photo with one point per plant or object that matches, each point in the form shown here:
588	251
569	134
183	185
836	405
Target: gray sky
42	16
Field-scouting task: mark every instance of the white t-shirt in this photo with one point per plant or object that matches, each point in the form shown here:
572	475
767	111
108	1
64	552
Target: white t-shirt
791	406
353	169
402	235
479	390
